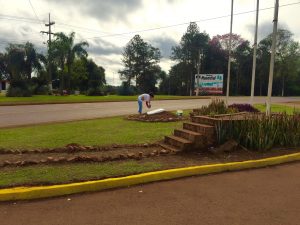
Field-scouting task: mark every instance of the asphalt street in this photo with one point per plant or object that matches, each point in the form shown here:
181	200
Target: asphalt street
13	116
268	196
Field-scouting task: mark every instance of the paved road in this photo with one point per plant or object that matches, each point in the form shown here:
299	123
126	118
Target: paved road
269	196
35	114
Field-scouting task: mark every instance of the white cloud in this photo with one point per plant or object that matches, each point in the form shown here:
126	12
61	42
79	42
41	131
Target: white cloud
99	18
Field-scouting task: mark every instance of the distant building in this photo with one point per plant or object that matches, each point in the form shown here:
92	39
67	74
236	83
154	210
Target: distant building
4	85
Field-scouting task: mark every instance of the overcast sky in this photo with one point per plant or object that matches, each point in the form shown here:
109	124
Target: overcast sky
108	25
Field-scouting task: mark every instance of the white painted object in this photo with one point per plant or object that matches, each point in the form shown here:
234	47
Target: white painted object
179	112
155	111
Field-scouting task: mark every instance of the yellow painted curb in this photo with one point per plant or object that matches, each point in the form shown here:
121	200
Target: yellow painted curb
23	193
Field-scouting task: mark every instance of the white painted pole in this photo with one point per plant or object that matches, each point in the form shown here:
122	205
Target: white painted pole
198	73
254	55
275	21
229	55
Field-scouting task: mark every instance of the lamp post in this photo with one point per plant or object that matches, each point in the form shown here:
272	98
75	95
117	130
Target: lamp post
254	55
229	55
275	21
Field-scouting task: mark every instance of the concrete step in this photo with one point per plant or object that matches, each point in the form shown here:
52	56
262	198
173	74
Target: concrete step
177	142
204	120
207	130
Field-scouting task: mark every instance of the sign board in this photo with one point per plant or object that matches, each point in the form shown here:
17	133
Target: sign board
209	83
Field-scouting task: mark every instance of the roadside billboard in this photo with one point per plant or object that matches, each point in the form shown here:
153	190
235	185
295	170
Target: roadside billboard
209	84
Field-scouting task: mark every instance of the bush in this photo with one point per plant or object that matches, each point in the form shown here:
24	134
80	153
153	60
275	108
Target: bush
42	90
94	92
216	107
262	132
243	108
19	88
126	89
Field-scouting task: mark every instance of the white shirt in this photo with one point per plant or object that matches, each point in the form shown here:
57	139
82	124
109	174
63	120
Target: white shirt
144	97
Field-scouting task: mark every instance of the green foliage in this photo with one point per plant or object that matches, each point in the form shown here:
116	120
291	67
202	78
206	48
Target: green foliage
19	88
140	61
216	107
95	91
126	89
187	56
63	51
261	132
96	79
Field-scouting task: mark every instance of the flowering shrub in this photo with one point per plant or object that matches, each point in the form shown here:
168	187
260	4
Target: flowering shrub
243	108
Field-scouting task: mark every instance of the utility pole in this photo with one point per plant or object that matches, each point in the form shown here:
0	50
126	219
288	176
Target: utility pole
229	55
275	21
49	55
254	55
198	71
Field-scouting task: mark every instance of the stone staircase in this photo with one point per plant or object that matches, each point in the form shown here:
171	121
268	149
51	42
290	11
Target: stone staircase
198	133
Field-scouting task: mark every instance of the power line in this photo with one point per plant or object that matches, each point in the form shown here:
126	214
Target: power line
180	24
31	20
34	11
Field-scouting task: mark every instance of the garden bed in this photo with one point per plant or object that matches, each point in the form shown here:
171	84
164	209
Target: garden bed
74	153
56	171
158	117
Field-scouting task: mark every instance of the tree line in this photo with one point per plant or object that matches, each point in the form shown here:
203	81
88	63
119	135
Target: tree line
66	66
141	72
28	71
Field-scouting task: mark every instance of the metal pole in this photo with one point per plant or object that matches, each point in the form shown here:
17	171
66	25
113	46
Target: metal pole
198	72
254	55
229	54
49	52
49	69
268	110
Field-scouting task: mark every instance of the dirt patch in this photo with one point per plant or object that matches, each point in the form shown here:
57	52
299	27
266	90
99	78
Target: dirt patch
158	117
74	153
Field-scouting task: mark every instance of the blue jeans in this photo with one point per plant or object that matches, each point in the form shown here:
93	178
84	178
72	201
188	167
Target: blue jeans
140	102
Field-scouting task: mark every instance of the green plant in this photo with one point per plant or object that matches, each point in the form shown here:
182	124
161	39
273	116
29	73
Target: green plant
216	107
19	88
261	132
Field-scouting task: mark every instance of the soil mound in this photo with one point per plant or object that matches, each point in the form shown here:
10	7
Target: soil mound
158	117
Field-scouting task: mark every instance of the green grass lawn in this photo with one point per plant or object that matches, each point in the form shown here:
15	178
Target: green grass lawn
37	175
48	99
115	130
278	108
91	132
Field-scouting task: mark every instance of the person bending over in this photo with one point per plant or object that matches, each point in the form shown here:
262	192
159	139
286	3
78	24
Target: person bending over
145	98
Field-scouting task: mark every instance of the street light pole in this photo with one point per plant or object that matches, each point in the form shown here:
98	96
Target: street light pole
198	71
229	55
254	55
49	52
275	21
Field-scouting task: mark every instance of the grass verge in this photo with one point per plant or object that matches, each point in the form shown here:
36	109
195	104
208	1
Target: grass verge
51	99
42	175
115	130
278	108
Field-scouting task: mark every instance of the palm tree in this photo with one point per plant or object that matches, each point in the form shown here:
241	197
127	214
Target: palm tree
64	52
32	59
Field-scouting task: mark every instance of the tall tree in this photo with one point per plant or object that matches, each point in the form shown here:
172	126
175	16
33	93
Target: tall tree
64	51
96	78
140	60
286	60
242	66
191	44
